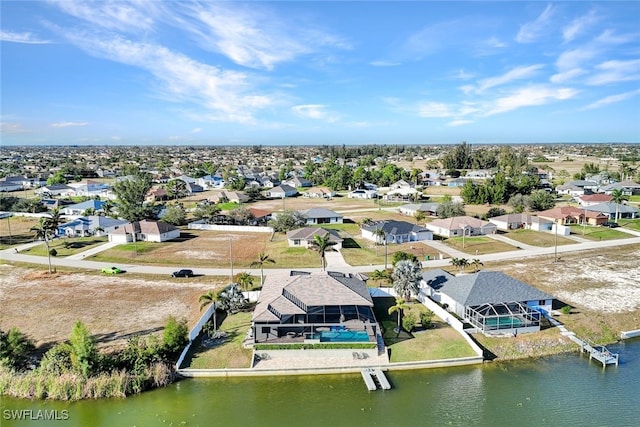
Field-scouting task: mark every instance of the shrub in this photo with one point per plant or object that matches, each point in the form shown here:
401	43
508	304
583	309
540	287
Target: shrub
53	252
566	309
14	348
426	318
176	335
409	322
84	355
402	256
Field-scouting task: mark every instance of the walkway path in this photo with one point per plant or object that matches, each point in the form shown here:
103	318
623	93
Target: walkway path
445	249
335	260
94	250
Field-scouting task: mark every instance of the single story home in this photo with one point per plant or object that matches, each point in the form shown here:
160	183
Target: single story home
298	182
362	194
144	231
570	189
593	199
459	225
304	236
314	308
92	225
613	209
628	188
319	193
401	183
322	216
566	215
55	190
280	192
411	209
90	188
522	221
80	208
491	301
260	216
395	232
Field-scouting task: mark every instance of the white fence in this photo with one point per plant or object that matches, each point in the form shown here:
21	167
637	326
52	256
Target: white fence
214	227
195	331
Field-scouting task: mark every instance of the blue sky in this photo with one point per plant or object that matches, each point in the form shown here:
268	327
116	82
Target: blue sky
300	72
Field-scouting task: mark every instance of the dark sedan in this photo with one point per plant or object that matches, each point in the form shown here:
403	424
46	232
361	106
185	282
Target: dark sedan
182	273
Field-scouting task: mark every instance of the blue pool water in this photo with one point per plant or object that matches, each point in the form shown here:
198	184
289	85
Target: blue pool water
342	336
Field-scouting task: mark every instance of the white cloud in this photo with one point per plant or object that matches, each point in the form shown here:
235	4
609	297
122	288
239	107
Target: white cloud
27	38
226	95
530	96
315	111
575	58
384	63
113	14
567	75
516	73
612	99
454	123
615	71
579	26
11	128
196	130
435	110
68	124
530	31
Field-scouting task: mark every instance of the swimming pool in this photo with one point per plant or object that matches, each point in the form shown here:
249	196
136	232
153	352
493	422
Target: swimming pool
503	322
342	336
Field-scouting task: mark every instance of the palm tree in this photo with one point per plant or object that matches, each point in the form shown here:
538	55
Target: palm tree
476	265
618	197
244	279
406	278
207	299
455	262
399	307
262	260
55	219
107	207
464	263
43	231
323	244
231	299
381	275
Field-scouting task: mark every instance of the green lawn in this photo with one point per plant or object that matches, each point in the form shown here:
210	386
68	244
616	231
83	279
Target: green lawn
538	238
227	353
478	245
67	247
632	224
598	233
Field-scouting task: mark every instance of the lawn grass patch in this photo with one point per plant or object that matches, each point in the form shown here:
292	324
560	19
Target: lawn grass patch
598	233
223	353
67	246
478	245
538	238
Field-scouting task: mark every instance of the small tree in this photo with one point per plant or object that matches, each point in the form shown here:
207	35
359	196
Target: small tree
244	279
175	214
403	256
207	299
476	265
618	197
398	307
176	334
426	318
406	278
84	354
409	322
231	299
260	262
14	348
44	231
323	244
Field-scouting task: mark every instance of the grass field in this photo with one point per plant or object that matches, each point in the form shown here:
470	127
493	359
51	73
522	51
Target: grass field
538	238
598	233
478	245
16	231
67	247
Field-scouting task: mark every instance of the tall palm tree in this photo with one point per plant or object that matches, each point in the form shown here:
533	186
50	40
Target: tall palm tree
260	262
323	244
207	299
107	207
476	265
43	231
618	197
406	277
399	307
54	220
245	280
381	237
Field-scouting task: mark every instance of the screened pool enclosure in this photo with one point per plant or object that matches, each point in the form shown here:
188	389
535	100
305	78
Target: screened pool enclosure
511	317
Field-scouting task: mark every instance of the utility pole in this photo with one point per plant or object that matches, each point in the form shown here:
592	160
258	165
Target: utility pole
555	249
231	258
385	250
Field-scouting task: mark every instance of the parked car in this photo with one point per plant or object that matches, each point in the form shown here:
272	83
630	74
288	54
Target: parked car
611	224
182	273
111	270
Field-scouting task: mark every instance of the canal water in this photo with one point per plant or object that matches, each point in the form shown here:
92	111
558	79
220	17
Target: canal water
565	390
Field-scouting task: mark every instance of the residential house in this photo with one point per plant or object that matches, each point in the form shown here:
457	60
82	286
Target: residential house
8	186
280	192
80	208
593	199
461	225
305	236
93	225
401	184
429	209
322	216
319	193
628	188
260	216
492	301
457	182
577	188
567	215
156	194
236	197
298	182
523	221
314	307
610	210
89	188
363	194
144	231
395	232
209	182
55	190
479	174
192	188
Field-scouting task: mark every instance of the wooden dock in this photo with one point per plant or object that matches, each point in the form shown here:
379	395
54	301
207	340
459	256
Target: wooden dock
375	379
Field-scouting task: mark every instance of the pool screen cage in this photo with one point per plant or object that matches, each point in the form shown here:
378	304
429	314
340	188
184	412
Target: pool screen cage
501	316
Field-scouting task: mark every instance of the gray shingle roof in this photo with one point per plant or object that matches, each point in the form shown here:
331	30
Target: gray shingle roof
321	213
394	228
489	287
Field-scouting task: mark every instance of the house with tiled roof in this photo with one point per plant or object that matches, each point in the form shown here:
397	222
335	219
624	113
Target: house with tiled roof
319	193
144	231
459	225
593	199
305	236
314	308
491	301
566	215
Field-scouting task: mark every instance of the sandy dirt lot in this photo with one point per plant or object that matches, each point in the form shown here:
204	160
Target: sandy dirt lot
113	308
